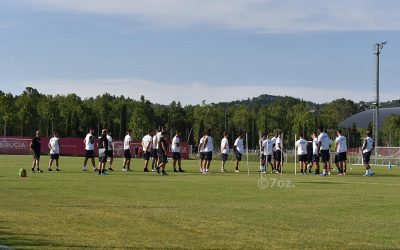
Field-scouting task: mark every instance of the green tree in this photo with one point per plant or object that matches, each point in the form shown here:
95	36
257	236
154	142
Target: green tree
27	112
354	137
7	110
208	116
391	131
176	118
142	117
263	120
303	120
123	120
336	111
72	112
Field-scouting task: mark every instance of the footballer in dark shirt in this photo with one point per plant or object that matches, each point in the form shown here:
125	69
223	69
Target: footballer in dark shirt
162	153
35	148
102	146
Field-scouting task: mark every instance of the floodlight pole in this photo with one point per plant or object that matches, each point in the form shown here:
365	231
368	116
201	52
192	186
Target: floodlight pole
378	48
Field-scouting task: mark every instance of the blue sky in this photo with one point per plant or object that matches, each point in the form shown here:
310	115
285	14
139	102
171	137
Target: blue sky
194	50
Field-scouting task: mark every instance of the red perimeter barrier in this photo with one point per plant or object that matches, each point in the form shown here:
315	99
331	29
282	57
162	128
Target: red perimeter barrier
16	145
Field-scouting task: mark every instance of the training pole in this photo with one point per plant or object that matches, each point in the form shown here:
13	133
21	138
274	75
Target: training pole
295	155
281	153
261	144
247	156
266	156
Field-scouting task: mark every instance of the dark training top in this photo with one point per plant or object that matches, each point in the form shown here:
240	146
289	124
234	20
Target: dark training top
36	143
103	139
161	141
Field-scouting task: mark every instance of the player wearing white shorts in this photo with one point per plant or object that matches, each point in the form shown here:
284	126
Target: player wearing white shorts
102	145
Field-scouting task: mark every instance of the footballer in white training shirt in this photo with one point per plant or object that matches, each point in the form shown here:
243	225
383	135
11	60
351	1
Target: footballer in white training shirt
176	151
224	151
127	151
341	151
154	153
278	152
273	141
301	146
315	152
89	149
147	141
208	151
324	143
238	148
201	151
367	148
261	144
110	150
54	146
268	151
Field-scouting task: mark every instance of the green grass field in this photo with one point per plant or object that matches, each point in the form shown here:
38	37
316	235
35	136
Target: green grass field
140	210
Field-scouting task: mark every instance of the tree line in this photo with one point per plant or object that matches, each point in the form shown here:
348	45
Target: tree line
71	116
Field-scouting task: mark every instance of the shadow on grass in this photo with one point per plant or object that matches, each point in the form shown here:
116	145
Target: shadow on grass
95	206
17	241
322	182
10	240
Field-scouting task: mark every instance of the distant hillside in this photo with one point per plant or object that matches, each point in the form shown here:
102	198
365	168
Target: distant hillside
265	100
391	104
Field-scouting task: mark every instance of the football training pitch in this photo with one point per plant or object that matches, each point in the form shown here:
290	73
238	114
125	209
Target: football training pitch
73	209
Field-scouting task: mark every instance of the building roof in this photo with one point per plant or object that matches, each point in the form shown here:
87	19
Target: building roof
363	118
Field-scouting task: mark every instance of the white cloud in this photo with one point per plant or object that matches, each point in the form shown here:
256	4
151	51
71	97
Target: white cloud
257	15
194	93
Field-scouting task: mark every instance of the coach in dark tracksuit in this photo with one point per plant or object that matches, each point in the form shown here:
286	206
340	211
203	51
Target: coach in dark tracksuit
35	147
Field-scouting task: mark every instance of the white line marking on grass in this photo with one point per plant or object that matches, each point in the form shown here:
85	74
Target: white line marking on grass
368	183
371	183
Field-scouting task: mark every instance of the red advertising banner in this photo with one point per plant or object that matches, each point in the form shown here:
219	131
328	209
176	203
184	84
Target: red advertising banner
15	145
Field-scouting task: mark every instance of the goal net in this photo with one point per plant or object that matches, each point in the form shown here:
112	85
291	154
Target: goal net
380	156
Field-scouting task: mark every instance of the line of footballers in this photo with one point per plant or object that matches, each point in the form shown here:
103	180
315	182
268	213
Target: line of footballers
205	151
156	147
310	156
